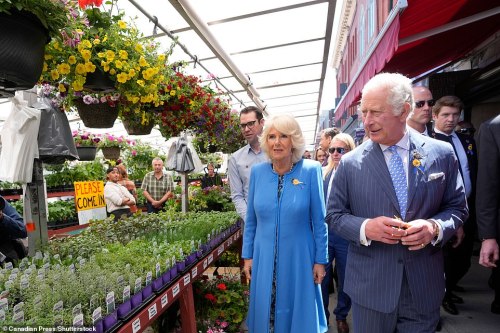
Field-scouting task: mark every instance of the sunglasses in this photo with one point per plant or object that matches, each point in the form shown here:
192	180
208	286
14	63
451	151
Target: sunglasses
429	102
339	150
250	124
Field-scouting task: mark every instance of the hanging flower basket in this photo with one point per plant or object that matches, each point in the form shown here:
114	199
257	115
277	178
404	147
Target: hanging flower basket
22	40
86	153
137	128
100	115
111	153
99	81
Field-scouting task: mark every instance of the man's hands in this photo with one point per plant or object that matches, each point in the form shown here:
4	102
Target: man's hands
489	254
415	234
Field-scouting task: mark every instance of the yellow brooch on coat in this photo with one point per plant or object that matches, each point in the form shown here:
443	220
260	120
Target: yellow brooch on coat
296	182
416	162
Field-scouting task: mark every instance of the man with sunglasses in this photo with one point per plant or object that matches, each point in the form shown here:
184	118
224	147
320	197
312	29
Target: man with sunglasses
422	110
240	163
325	138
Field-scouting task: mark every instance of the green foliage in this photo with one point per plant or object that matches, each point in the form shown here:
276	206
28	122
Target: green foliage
66	174
138	160
53	14
220	303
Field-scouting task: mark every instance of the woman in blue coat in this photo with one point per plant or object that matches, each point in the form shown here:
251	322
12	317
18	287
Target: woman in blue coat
285	236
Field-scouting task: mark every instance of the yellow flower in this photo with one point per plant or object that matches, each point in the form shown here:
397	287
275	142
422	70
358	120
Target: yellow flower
86	43
97	41
86	54
54	74
122	24
63	68
161	57
61	87
172	92
90	67
140	82
72	60
118	64
139	48
416	163
110	55
143	62
112	71
80	69
122	77
131	72
101	54
123	54
77	86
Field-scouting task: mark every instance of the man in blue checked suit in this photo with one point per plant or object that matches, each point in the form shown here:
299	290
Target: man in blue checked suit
397	199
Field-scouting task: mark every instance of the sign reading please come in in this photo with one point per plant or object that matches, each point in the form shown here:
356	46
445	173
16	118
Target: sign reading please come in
89	201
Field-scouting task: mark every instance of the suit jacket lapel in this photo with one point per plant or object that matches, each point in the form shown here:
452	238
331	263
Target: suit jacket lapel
378	168
415	175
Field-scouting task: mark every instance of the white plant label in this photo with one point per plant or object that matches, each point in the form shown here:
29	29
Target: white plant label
136	325
152	311
187	279
58	306
137	286
96	315
126	293
164	300
149	277
110	302
78	320
194	272
175	290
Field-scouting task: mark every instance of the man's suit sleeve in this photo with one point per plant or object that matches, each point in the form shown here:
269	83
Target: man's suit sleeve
250	221
236	185
453	209
339	215
488	183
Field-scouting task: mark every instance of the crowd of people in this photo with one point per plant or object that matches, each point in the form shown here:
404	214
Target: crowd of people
396	215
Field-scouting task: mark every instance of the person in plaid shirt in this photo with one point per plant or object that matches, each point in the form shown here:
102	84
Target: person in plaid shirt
158	187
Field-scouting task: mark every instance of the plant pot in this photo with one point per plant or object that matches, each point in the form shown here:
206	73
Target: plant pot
137	128
167	277
22	40
191	259
136	300
158	283
99	81
147	291
111	153
86	153
98	326
100	115
110	321
124	309
173	271
181	266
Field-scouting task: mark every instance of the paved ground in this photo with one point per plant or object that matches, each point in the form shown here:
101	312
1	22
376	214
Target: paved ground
475	315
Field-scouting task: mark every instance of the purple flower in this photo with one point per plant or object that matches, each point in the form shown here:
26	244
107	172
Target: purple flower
87	99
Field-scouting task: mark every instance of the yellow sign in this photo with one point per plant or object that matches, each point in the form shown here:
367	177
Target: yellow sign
89	195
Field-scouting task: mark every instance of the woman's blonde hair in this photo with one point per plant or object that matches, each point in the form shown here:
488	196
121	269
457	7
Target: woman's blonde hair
348	141
287	125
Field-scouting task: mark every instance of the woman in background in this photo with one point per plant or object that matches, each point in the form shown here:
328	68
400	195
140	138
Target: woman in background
129	185
320	156
340	145
285	235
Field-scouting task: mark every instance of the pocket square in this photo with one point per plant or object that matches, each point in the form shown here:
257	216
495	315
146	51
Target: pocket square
436	175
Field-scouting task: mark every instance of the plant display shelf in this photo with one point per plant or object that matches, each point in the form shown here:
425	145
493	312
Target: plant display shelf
182	289
49	195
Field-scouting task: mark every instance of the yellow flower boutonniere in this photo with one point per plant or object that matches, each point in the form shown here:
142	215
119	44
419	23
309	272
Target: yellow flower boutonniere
470	150
296	182
416	162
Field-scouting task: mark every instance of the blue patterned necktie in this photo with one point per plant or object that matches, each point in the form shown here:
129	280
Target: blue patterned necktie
396	169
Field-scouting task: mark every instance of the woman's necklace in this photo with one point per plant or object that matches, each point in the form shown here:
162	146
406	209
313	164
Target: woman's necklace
291	167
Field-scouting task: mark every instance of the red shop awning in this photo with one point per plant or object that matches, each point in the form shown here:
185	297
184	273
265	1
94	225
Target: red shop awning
431	33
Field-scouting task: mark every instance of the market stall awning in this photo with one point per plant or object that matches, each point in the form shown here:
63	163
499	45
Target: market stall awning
431	34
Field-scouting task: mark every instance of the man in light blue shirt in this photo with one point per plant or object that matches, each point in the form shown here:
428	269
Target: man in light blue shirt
240	163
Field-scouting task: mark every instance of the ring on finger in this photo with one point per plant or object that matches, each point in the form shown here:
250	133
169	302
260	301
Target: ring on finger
422	245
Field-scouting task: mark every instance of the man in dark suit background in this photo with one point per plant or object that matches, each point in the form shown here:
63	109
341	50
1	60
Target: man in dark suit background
488	201
458	253
397	198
